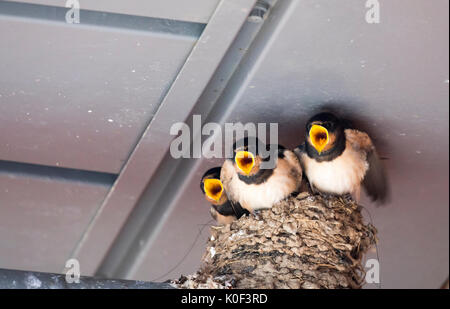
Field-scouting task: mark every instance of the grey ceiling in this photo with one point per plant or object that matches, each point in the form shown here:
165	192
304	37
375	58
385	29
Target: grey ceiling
73	70
83	107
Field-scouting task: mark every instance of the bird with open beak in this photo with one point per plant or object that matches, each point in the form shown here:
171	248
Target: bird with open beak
222	210
258	175
338	160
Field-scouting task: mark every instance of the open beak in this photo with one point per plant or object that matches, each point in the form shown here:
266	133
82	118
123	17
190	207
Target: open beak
319	137
245	161
213	188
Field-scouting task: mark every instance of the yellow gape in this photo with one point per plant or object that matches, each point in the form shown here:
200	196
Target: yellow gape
213	188
319	137
245	161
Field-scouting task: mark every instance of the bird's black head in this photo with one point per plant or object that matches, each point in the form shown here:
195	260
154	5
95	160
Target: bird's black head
212	187
249	143
325	138
212	173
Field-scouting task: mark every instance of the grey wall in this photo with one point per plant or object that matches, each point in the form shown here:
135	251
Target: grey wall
390	78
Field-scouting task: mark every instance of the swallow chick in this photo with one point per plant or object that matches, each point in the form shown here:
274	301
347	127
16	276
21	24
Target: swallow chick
222	210
258	176
337	160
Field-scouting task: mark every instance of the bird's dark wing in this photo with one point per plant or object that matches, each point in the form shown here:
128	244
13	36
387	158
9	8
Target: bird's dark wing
231	209
225	209
375	181
299	150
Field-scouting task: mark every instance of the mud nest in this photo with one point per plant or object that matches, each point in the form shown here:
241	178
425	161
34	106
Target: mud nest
304	242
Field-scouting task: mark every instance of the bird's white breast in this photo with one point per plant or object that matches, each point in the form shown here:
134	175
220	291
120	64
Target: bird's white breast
261	196
340	175
264	195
